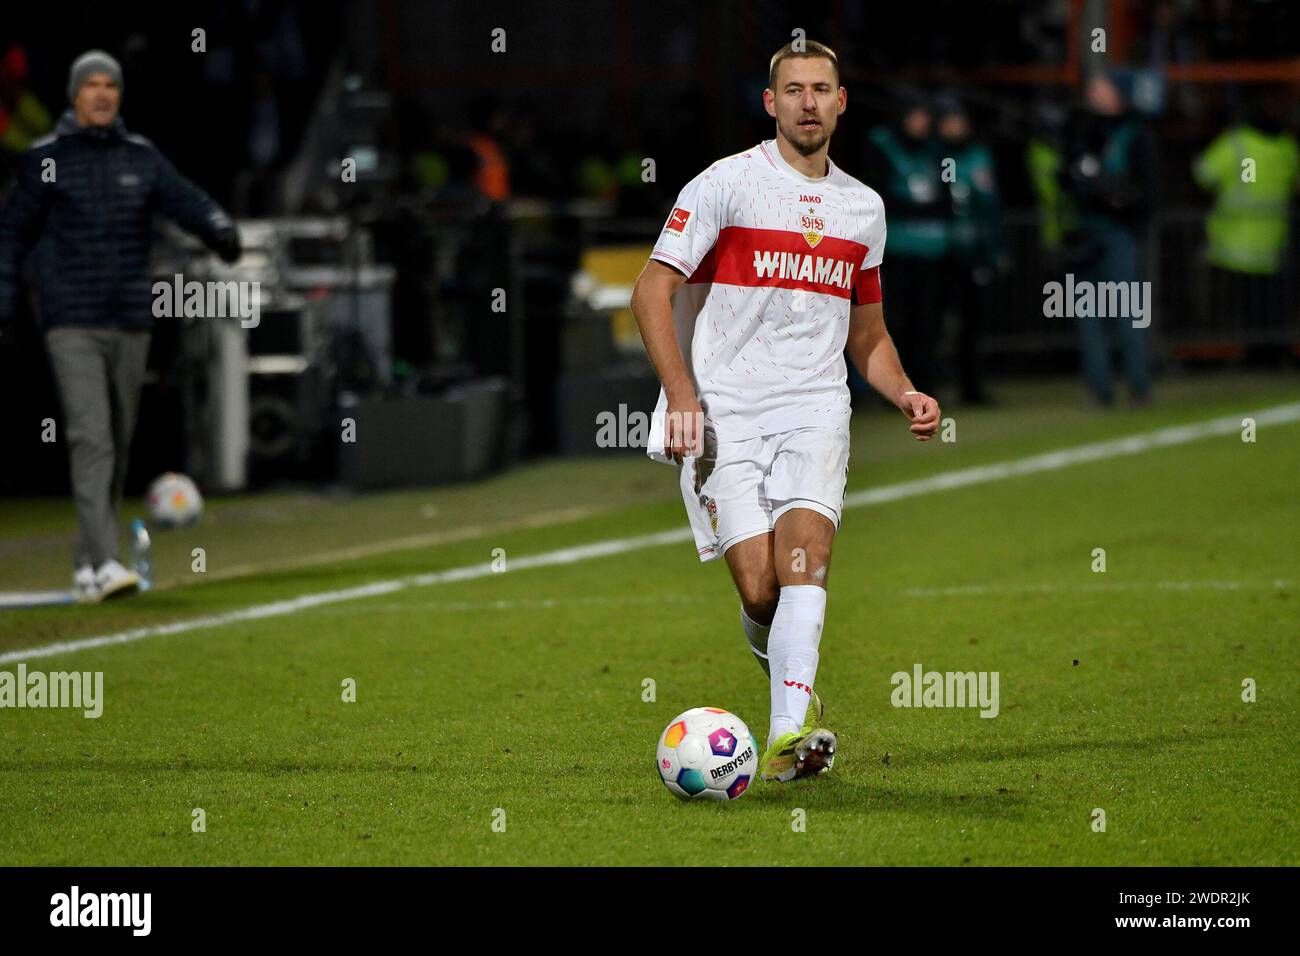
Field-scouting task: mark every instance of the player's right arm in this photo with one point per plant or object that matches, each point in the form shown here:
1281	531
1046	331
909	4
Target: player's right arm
652	305
691	231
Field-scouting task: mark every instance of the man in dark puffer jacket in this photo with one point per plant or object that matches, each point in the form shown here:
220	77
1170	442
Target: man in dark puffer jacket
91	189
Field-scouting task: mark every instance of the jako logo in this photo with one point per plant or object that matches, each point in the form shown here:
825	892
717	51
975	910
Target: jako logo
103	909
803	687
812	199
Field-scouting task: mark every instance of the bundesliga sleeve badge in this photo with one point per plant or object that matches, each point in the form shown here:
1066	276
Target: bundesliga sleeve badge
677	221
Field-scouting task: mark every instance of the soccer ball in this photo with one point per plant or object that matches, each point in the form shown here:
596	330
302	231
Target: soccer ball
174	501
707	753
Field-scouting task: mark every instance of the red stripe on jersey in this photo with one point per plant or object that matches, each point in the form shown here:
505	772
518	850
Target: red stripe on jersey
782	259
867	289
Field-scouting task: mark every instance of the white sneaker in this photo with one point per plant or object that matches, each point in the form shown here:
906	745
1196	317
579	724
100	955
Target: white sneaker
113	580
84	586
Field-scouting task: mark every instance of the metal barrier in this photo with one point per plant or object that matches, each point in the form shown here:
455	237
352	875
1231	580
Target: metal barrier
1193	313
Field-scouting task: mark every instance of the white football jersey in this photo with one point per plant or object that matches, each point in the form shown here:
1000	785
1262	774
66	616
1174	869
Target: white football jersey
773	261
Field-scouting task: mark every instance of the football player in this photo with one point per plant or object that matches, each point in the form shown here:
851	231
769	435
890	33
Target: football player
767	269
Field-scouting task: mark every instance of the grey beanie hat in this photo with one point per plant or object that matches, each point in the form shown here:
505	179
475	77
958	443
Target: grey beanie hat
87	65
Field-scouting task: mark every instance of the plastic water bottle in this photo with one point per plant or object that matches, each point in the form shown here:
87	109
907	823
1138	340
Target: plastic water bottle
140	553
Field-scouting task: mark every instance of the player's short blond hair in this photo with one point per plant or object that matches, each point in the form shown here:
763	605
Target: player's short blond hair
811	50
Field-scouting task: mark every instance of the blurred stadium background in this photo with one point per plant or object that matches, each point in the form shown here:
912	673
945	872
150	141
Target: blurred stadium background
522	171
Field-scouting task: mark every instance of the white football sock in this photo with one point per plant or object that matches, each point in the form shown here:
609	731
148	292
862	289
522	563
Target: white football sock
792	655
756	634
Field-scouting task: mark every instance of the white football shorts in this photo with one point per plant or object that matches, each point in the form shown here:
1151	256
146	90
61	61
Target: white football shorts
738	489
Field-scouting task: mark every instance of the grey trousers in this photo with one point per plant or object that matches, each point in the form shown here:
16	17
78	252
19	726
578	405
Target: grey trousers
99	374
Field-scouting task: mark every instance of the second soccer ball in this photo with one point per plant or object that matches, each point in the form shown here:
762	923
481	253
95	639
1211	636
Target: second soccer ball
174	501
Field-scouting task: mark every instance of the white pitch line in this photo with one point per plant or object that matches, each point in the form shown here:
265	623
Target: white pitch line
1082	454
277	608
980	590
18	599
522	604
960	478
961	590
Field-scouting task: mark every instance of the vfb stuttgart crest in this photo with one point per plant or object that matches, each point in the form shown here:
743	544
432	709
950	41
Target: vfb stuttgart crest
813	227
711	507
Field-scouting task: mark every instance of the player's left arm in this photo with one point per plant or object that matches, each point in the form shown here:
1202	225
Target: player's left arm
872	351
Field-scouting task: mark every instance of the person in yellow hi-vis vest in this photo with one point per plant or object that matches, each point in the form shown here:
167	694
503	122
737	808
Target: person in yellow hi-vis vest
23	117
1253	169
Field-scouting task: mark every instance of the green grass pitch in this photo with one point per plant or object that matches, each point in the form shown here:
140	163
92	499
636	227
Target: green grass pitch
522	691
